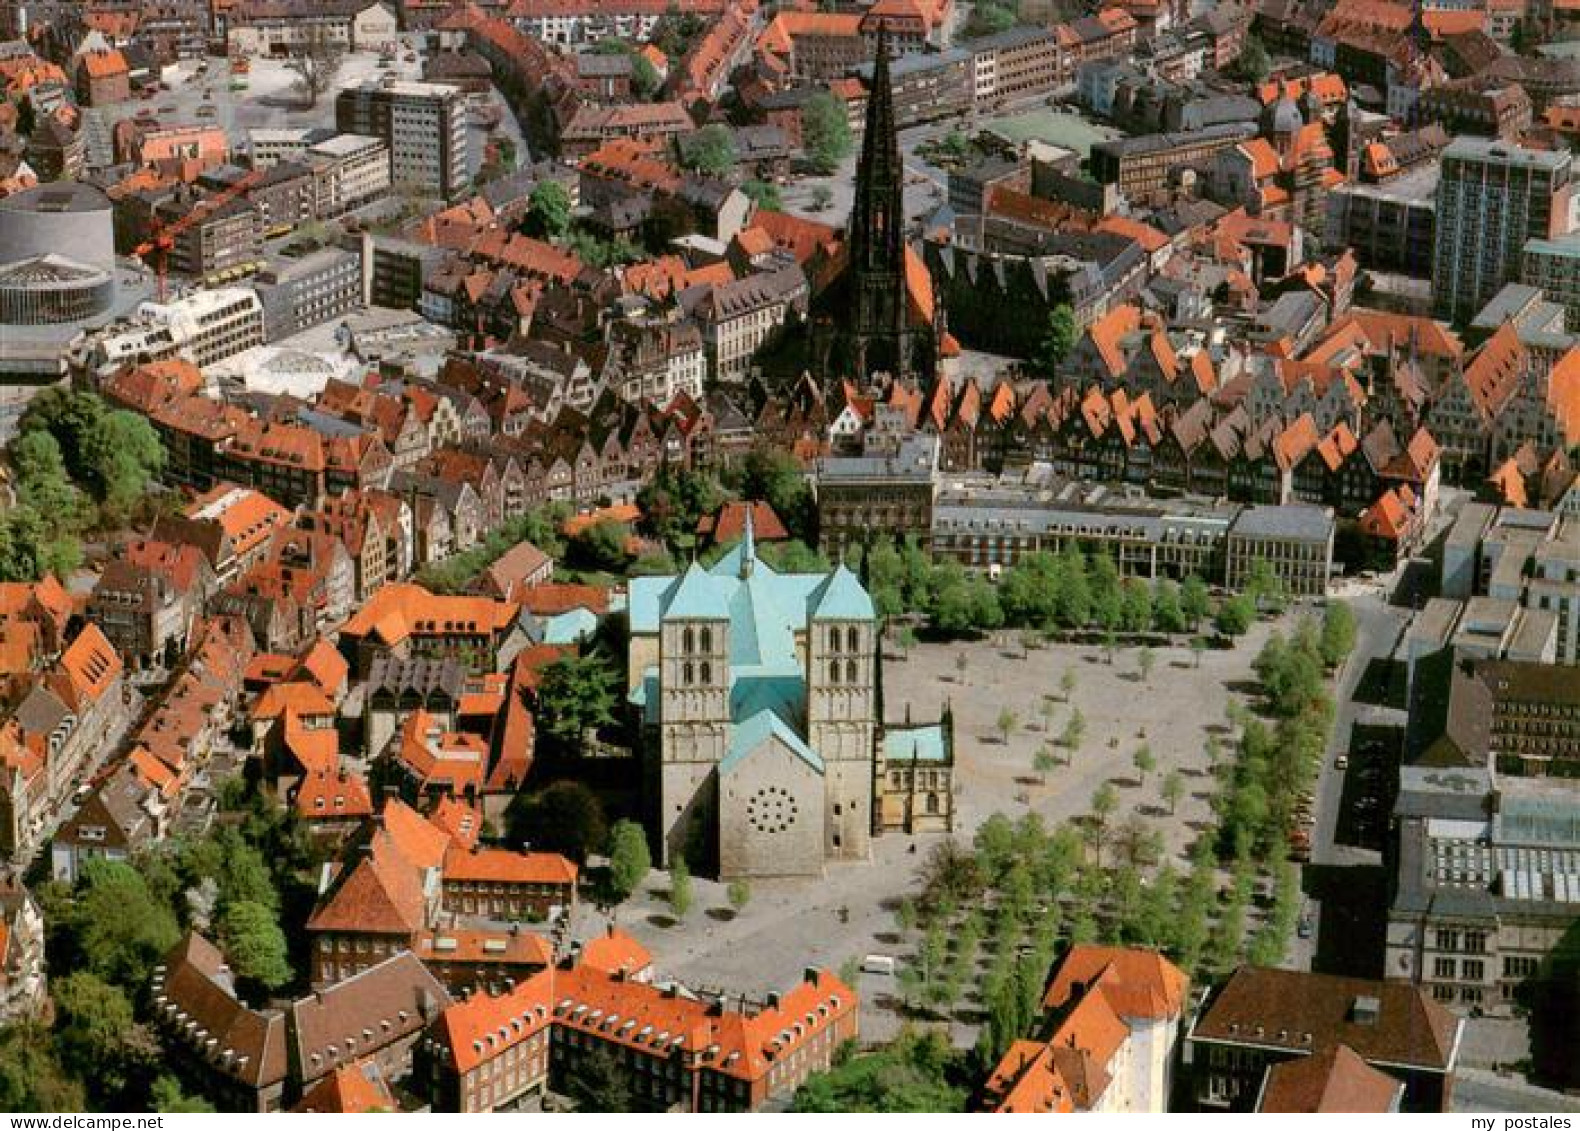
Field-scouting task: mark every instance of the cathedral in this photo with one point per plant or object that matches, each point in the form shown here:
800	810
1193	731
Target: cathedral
762	747
877	318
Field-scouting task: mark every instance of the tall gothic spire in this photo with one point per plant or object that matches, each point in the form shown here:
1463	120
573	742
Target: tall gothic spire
877	231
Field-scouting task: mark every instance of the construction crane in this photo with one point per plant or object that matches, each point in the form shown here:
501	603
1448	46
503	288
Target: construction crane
163	240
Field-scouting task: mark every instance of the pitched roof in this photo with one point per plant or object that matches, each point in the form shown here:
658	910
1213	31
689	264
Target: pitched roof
1384	1021
351	1089
1139	984
1334	1080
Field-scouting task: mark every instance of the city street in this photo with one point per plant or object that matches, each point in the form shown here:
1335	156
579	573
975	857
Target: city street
1336	867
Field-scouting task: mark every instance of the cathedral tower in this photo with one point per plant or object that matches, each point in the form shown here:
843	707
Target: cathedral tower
866	324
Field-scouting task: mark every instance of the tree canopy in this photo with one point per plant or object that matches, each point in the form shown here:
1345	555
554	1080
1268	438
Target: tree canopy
825	132
913	1074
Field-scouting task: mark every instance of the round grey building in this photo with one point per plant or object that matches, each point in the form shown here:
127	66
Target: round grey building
67	219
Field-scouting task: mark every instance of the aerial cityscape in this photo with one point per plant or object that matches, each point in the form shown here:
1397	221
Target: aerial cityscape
790	556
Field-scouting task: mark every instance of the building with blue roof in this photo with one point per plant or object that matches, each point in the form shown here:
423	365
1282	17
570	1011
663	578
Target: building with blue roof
758	696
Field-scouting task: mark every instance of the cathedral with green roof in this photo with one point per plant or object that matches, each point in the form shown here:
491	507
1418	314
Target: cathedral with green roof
759	701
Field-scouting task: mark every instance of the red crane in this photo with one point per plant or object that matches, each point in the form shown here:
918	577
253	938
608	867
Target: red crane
164	236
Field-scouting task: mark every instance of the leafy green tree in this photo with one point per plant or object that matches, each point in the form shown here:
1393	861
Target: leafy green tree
629	859
774	476
1338	633
1073	595
674	500
31	1076
167	1097
598	1082
72	416
739	894
1263	586
1144	761
645	79
125	455
575	695
96	1028
1173	790
1146	660
28	551
601	546
989	17
764	194
121	930
566	817
255	945
710	151
1195	602
1167	613
1104	803
911	1074
1067	683
680	895
1074	731
1235	616
822	198
1006	724
1253	64
44	484
549	210
1043	762
1135	606
825	132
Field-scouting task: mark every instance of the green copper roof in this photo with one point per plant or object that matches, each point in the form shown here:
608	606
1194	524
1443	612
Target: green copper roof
920	744
784	695
752	735
841	597
697	593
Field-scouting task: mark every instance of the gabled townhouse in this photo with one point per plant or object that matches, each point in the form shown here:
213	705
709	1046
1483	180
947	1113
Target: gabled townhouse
58	734
406	620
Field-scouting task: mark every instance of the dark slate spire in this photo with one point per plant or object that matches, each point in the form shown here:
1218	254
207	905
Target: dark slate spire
877	233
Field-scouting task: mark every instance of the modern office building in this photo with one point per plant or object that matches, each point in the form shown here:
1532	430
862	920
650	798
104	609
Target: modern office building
424	125
1554	266
1493	197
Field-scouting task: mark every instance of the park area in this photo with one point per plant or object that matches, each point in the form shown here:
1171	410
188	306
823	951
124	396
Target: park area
1132	787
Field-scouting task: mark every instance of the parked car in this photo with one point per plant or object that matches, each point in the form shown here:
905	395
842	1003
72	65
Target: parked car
1342	762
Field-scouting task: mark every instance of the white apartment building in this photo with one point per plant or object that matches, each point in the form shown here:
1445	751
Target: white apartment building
738	317
349	170
203	328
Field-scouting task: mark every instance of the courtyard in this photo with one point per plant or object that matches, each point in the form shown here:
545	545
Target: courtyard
850	912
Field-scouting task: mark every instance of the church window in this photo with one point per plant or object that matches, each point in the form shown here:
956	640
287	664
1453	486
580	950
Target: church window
688	642
707	672
932	804
852	639
833	671
771	810
833	640
850	671
706	636
687	674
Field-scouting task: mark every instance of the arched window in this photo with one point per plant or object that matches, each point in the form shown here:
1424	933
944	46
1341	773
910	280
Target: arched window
852	639
932	804
833	671
833	639
850	671
687	674
688	642
706	636
707	672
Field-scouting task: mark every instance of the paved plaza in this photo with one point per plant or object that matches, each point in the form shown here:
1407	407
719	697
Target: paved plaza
850	912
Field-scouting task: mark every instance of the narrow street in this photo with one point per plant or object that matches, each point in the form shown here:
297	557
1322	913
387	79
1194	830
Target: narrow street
1344	884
